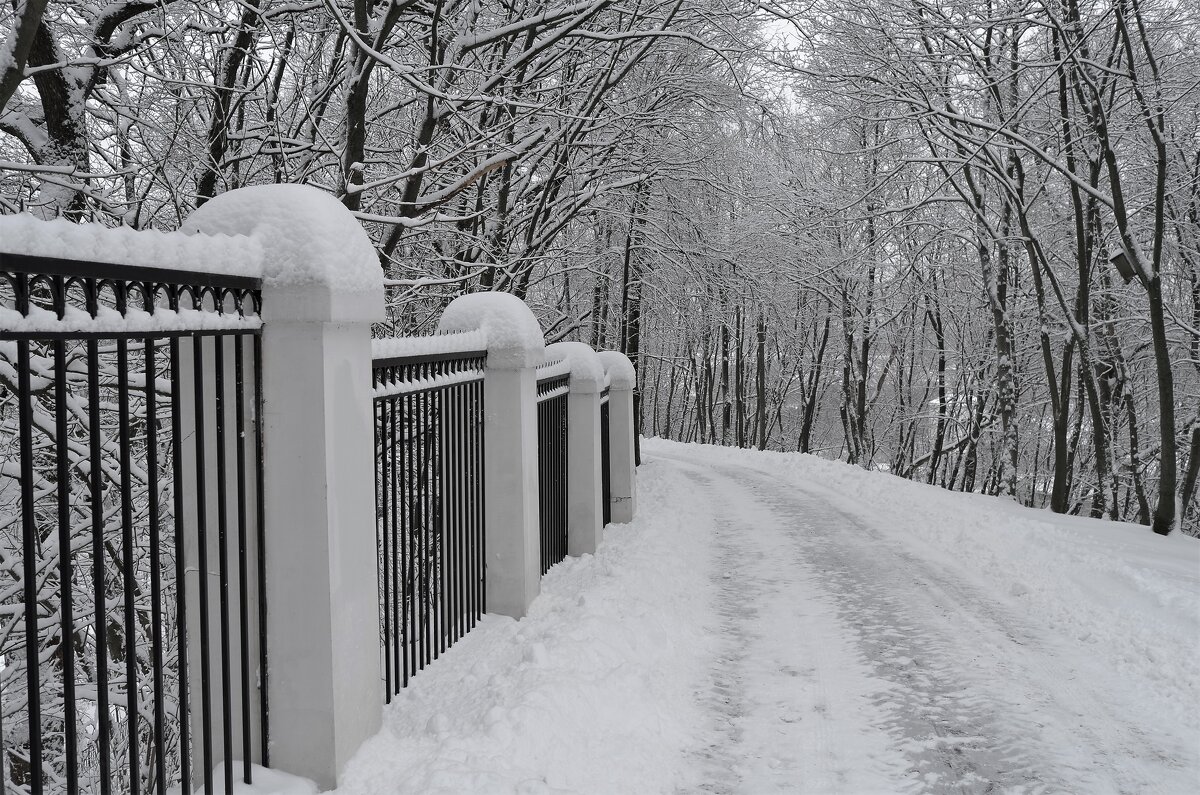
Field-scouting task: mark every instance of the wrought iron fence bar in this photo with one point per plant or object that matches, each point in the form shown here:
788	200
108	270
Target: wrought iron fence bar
383	533
552	474
220	421
260	522
239	377
202	567
155	540
99	599
184	717
128	584
427	429
605	458
481	490
65	569
30	568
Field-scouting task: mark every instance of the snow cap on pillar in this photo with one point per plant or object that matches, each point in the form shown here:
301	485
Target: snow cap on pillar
620	370
318	263
514	338
587	370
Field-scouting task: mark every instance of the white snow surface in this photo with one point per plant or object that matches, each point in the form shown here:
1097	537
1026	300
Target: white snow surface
553	367
619	369
514	338
779	623
306	236
265	782
457	342
224	254
586	367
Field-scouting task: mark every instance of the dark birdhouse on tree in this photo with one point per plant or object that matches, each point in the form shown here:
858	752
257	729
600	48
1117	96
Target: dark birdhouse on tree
1123	266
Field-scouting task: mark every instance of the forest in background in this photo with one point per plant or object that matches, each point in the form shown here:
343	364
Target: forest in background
957	241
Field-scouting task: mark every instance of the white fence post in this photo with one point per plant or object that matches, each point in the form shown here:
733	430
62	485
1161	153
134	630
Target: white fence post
585	509
515	348
322	288
623	479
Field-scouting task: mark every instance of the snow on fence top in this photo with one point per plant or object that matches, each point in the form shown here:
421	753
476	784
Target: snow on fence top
453	342
306	236
585	366
224	255
514	338
553	368
619	369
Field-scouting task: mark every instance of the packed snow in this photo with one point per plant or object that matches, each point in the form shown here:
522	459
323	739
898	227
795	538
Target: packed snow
583	363
514	338
619	369
224	254
457	342
779	623
306	236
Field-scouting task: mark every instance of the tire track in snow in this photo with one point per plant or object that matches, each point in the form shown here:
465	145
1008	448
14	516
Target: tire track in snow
778	717
909	625
904	621
1053	720
734	606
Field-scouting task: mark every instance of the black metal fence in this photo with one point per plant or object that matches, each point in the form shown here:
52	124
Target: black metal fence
130	462
552	466
605	457
429	506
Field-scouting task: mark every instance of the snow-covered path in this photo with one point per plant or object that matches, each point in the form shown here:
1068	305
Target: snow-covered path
781	624
851	665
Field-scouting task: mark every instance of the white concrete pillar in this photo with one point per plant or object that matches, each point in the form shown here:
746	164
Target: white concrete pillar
515	348
585	509
622	474
322	288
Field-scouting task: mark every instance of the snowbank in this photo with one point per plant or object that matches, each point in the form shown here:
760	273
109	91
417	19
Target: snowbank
592	692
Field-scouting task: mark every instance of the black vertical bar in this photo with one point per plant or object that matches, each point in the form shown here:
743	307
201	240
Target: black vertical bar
411	505
449	581
30	544
239	379
260	523
381	501
460	538
480	513
395	500
156	616
99	589
401	496
65	570
426	540
221	422
127	568
440	526
564	492
202	567
185	748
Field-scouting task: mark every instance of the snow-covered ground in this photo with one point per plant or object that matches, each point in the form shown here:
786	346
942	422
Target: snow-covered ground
779	623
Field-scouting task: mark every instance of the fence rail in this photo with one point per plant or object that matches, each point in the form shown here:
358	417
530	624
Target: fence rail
131	397
429	505
552	389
